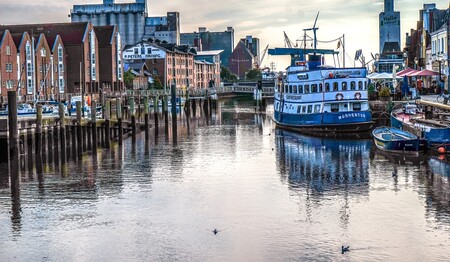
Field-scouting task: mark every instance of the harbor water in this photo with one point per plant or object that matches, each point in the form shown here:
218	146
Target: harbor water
232	188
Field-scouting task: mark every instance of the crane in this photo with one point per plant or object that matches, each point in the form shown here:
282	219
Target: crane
314	29
263	55
287	41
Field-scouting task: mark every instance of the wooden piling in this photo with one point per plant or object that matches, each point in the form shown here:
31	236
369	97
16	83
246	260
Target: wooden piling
173	91
62	131
79	132
155	112
56	146
30	150
146	124
38	151
107	124
50	145
13	138
119	119
94	127
133	119
166	114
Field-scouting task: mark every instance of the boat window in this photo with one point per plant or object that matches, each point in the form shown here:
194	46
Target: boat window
356	106
335	107
307	89
335	86
295	89
290	88
320	88
298	109
365	85
314	88
352	85
285	88
304	109
309	109
300	89
327	87
344	86
316	108
276	106
360	85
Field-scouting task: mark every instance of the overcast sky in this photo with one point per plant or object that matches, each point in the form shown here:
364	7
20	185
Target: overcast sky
264	19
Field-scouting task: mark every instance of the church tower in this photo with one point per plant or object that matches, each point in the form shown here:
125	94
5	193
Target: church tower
389	25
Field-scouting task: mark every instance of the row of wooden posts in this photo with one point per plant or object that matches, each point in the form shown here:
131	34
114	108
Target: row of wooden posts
72	137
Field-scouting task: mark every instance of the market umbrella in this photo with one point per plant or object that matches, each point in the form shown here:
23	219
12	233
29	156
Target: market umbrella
407	71
425	72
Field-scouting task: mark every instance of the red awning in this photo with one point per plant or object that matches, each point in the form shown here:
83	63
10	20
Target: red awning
425	72
407	72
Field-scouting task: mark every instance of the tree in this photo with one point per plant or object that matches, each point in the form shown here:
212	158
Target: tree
128	78
226	75
157	83
253	74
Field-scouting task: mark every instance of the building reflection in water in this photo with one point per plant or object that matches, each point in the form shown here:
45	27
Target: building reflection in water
317	168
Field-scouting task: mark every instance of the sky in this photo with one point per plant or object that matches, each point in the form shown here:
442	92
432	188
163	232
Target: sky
263	19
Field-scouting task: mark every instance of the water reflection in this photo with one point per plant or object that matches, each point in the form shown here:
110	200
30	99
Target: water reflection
323	164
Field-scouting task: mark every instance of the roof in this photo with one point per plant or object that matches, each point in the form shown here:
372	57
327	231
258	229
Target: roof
203	62
136	66
210	52
71	33
391	47
105	34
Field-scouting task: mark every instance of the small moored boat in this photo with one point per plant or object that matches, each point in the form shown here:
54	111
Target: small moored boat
396	140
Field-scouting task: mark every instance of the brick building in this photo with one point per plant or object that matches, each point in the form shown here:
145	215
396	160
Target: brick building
110	58
8	64
242	59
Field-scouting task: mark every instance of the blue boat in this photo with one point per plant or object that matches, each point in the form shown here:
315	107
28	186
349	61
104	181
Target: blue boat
395	140
435	131
312	97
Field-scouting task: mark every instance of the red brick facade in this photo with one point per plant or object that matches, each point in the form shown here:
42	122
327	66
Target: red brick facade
8	63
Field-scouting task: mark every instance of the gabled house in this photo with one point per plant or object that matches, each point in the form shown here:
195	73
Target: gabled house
241	60
110	58
25	74
8	64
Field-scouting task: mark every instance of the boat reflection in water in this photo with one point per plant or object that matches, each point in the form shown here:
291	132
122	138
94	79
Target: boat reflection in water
439	166
323	164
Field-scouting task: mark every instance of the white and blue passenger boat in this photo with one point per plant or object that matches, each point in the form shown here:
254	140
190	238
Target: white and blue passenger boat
314	98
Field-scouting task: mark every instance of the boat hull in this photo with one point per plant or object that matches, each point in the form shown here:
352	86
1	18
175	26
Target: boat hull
325	122
436	136
396	140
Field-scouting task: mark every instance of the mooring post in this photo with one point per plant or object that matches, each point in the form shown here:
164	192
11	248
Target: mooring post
173	91
155	112
133	118
38	150
79	134
107	124
50	145
56	145
119	119
30	150
146	125
13	138
166	114
94	127
62	131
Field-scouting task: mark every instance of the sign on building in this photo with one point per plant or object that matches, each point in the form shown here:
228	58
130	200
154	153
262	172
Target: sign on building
143	51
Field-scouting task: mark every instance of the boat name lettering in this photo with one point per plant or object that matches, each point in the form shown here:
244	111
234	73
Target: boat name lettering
302	76
351	115
293	97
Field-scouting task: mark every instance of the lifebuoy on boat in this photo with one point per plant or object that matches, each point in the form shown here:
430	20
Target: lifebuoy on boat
339	96
357	95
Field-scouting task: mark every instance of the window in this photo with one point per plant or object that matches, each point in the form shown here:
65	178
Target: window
299	109
310	109
9	68
307	89
285	89
61	67
8	50
320	88
360	85
60	54
9	84
300	89
335	86
155	71
334	107
136	51
352	85
304	109
356	106
314	88
316	108
290	88
295	89
327	87
344	86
